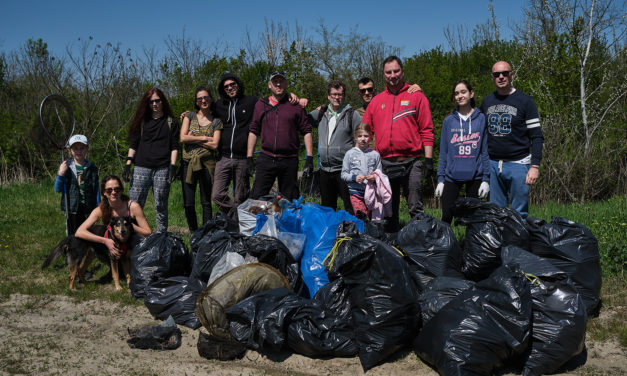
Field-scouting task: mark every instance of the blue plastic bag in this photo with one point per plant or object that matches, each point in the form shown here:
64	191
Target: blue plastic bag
320	224
290	217
261	220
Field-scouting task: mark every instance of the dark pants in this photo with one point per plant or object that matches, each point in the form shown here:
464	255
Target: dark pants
404	175
75	220
450	194
202	178
331	187
283	169
227	170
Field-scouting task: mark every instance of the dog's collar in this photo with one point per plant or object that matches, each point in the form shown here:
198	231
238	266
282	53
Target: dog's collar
109	235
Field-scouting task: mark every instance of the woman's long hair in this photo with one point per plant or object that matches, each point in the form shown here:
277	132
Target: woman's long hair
143	110
473	104
105	207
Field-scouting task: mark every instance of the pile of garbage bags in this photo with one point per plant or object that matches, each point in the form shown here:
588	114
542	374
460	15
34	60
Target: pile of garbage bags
327	284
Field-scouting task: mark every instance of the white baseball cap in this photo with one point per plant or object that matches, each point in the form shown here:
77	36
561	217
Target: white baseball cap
77	138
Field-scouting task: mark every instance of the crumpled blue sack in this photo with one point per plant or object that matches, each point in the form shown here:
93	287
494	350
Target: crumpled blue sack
320	224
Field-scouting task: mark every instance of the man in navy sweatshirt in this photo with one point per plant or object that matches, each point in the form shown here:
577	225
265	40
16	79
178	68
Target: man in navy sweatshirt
514	141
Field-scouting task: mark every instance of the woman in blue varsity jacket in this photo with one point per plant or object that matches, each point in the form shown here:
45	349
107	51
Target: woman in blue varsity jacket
464	157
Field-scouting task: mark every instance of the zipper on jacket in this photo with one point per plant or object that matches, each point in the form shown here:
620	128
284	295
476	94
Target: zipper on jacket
392	124
234	125
276	129
328	137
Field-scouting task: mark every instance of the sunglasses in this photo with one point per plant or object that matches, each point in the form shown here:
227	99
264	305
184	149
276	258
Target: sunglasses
114	189
232	84
154	101
367	90
498	74
206	98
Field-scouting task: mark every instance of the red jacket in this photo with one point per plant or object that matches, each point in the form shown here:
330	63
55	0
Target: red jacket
401	123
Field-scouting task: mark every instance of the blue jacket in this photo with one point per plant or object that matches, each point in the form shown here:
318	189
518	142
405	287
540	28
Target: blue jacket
464	149
69	183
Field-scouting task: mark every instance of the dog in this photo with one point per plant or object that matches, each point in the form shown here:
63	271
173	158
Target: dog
80	253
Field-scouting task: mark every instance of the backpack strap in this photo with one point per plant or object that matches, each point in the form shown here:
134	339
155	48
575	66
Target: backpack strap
275	107
350	113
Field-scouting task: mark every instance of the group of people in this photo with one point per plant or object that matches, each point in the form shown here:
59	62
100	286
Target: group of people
494	149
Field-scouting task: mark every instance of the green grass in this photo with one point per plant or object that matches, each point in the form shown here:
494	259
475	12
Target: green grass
31	224
608	222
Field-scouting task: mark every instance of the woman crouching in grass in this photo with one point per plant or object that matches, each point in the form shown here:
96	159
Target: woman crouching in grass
115	203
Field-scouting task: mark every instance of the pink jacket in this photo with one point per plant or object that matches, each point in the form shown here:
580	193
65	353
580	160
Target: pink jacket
378	196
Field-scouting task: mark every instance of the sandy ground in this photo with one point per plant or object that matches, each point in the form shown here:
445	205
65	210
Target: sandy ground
55	335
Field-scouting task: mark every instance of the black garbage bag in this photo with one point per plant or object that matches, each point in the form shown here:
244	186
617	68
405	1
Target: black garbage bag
323	326
273	252
160	255
334	297
382	293
438	293
488	229
176	297
212	249
482	329
226	291
376	229
201	237
559	314
165	336
571	247
432	247
212	347
260	321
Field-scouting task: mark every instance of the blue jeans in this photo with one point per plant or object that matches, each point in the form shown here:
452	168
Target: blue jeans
510	181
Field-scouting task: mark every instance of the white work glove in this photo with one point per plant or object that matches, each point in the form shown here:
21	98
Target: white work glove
484	189
439	189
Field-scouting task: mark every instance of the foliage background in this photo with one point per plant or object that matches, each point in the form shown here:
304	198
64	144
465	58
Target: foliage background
569	55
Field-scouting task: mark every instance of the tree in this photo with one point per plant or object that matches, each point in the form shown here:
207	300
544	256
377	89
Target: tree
578	50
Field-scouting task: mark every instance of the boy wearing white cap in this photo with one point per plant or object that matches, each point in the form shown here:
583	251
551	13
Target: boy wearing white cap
78	179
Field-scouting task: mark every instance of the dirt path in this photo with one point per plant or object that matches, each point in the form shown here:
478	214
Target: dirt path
55	335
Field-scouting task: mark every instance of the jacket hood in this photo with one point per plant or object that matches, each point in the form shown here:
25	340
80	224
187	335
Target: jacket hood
473	116
240	85
343	109
71	164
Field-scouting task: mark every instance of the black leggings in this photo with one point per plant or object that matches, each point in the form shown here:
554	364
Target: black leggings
201	177
451	192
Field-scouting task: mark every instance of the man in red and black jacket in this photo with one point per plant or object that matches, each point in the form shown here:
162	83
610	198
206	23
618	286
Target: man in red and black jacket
403	129
278	124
